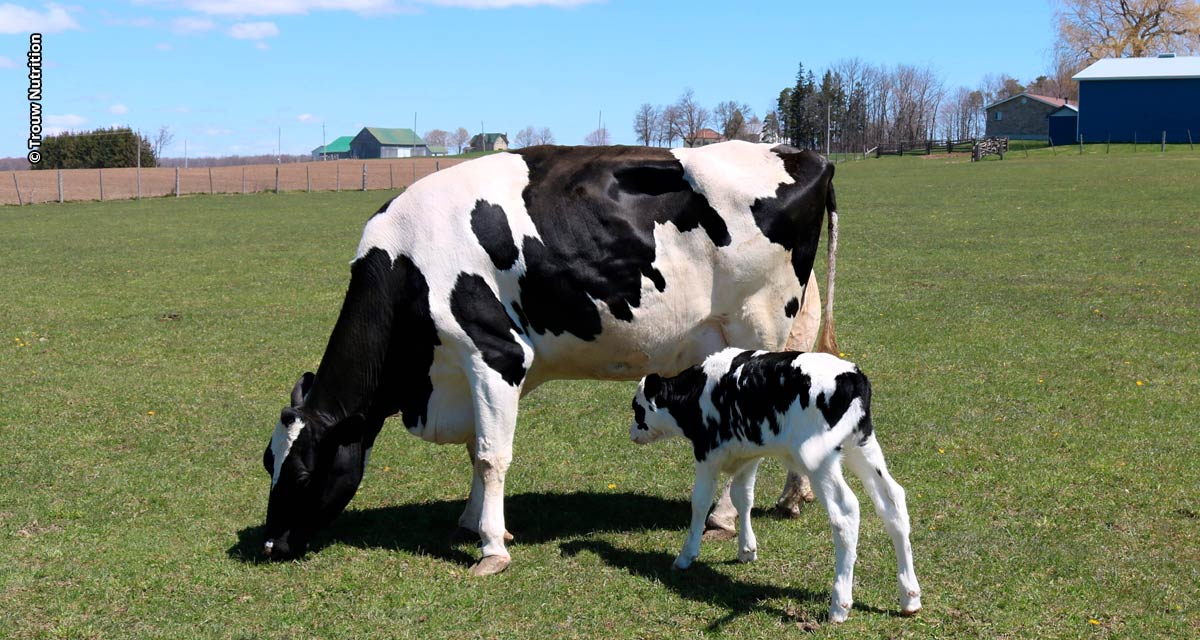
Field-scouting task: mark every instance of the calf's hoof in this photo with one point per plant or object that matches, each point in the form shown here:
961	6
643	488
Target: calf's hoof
747	555
788	511
714	532
839	612
490	565
910	603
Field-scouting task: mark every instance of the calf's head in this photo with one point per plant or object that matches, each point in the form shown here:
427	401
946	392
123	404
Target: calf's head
651	419
315	467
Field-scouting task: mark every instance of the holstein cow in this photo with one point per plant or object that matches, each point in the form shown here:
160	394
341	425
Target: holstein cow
482	281
810	410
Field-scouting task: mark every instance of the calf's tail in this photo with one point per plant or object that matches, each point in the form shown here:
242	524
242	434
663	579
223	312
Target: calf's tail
828	341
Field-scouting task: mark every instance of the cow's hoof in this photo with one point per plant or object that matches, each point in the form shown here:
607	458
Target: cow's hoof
490	565
788	511
683	563
748	555
908	613
839	613
463	534
719	533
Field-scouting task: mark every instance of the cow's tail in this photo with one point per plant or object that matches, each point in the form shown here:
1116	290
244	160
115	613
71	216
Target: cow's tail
828	340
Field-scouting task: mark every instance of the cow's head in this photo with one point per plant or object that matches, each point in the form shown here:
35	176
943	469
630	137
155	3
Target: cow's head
316	466
651	419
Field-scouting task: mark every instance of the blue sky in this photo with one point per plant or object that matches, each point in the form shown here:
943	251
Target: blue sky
227	75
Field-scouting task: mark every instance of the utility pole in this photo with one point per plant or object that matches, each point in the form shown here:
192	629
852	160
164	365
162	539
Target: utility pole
828	111
278	148
185	158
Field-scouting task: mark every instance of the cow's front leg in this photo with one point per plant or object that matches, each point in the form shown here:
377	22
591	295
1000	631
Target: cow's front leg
742	494
796	492
722	521
496	420
702	497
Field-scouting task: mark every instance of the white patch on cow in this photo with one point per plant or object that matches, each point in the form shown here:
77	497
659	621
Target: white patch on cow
822	370
732	176
281	444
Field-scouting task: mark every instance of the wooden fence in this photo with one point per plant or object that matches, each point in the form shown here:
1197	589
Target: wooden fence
924	147
35	187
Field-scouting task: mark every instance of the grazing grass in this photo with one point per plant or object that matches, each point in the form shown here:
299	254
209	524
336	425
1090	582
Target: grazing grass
1030	326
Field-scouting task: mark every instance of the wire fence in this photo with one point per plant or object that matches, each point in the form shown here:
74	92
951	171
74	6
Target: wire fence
68	185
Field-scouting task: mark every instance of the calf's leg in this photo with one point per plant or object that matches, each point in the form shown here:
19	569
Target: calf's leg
888	497
842	506
702	497
742	494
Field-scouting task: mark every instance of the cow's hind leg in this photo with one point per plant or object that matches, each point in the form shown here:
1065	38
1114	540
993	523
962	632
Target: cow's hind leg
866	461
468	522
496	419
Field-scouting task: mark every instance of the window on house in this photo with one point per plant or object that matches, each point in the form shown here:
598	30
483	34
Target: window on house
999	116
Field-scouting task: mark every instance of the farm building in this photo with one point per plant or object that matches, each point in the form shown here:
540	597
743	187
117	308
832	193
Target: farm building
705	137
337	150
1140	99
1022	116
380	142
488	142
437	150
1064	125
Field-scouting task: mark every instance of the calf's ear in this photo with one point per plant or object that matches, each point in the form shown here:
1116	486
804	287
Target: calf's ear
303	385
652	386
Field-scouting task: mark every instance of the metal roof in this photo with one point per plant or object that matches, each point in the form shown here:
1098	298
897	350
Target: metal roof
341	145
403	137
1141	68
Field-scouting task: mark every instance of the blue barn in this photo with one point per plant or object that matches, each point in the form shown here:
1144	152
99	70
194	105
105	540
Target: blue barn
1138	99
1064	125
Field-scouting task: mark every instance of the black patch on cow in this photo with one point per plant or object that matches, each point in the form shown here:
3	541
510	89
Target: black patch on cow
792	217
792	307
490	225
378	358
847	387
595	209
482	316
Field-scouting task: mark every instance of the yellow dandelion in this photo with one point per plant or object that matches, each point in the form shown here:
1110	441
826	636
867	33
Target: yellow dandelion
612	485
149	413
1040	381
1140	383
941	450
1093	621
386	469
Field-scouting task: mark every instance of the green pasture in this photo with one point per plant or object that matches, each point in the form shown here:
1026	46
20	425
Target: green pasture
1031	326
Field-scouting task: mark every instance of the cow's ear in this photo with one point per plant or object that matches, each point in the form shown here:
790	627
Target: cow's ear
652	386
288	416
303	385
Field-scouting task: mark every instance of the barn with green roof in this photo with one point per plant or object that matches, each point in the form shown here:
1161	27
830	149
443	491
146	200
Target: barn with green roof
337	150
382	142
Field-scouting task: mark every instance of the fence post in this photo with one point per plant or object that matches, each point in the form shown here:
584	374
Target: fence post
18	188
1080	144
276	178
1190	147
139	174
337	184
391	176
1163	148
414	168
1135	141
176	182
1108	144
307	180
210	181
60	193
437	165
101	184
364	186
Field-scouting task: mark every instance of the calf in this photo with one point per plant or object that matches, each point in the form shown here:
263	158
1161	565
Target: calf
806	409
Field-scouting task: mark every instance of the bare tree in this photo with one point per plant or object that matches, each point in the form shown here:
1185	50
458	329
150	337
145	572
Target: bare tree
668	125
960	118
691	117
1089	30
597	138
163	138
437	137
644	123
525	137
753	130
459	138
544	136
730	118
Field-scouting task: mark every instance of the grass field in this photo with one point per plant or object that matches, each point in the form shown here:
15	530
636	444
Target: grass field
1031	328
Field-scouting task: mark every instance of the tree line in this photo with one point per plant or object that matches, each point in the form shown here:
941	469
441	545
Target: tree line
99	148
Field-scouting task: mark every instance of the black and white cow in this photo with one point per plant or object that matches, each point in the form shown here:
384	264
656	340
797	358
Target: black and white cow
482	281
811	411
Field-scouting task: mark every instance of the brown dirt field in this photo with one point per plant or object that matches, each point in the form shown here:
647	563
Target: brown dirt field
121	184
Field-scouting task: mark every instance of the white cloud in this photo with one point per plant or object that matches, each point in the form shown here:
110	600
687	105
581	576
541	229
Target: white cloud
288	7
189	25
7	63
16	19
118	109
54	125
253	30
505	4
307	117
261	46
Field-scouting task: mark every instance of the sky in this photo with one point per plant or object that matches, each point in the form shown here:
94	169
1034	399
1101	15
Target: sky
250	76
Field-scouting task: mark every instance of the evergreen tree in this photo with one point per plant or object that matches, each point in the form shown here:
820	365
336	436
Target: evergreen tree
97	149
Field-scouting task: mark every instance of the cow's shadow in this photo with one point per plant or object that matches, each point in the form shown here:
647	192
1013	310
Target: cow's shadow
425	528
